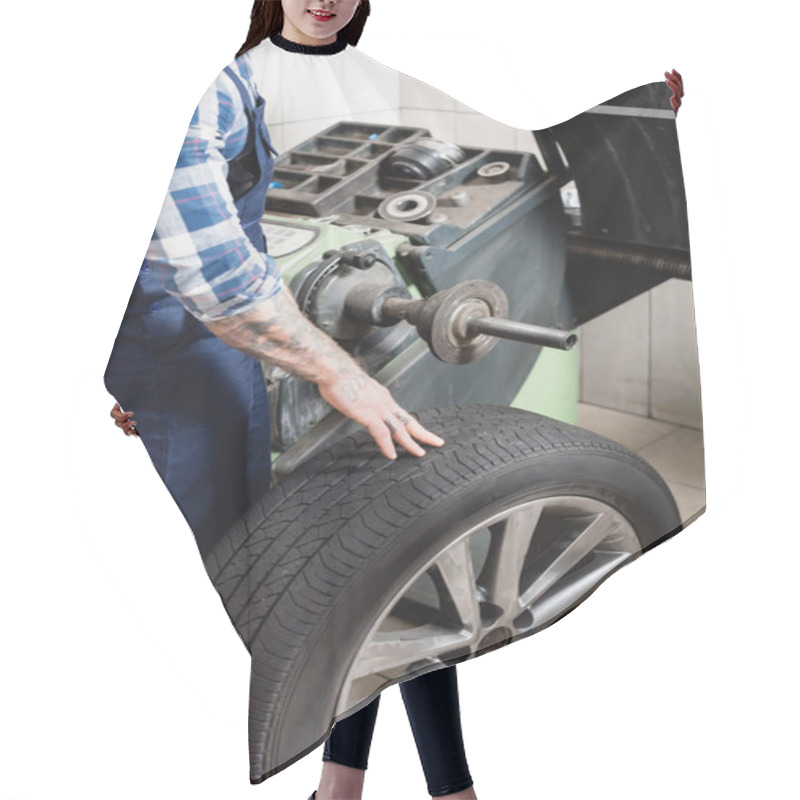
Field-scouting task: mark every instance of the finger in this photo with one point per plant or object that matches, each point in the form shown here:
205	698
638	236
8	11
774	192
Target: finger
675	100
116	411
416	428
403	438
676	86
402	415
418	431
122	416
674	80
396	425
383	438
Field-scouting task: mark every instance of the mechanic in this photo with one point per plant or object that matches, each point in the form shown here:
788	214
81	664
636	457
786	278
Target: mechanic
208	304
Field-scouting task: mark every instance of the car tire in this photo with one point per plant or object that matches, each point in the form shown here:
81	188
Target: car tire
310	570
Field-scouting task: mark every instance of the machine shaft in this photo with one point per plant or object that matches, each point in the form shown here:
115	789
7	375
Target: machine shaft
460	324
522	332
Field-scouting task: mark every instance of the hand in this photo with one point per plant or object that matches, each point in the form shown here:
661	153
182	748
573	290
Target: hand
371	404
675	82
276	331
124	420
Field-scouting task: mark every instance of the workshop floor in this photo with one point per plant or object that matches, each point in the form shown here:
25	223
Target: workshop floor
675	451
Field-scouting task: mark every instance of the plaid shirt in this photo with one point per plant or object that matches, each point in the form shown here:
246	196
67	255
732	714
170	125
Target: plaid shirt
199	250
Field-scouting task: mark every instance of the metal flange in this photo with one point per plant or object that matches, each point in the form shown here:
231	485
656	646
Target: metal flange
443	320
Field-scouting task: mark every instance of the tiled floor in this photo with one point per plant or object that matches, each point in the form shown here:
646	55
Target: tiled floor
676	452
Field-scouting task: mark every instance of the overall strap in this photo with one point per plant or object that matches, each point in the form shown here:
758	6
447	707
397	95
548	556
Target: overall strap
248	103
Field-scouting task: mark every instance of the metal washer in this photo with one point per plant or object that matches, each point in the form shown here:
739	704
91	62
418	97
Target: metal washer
494	170
407	206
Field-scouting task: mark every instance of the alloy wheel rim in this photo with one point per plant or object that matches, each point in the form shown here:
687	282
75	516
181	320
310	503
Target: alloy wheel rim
503	578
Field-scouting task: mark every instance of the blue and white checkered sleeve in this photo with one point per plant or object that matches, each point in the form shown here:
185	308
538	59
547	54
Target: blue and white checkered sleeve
199	249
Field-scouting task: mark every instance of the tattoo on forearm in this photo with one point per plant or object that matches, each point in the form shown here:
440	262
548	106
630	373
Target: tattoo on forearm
277	331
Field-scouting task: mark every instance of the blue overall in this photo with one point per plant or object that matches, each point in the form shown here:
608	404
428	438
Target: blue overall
200	405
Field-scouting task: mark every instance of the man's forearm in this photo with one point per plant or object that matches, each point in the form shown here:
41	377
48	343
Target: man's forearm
276	331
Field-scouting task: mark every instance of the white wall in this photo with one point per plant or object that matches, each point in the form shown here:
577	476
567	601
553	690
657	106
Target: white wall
641	357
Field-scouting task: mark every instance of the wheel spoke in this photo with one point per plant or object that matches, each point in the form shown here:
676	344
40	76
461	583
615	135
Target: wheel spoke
455	568
510	542
388	651
600	526
453	608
